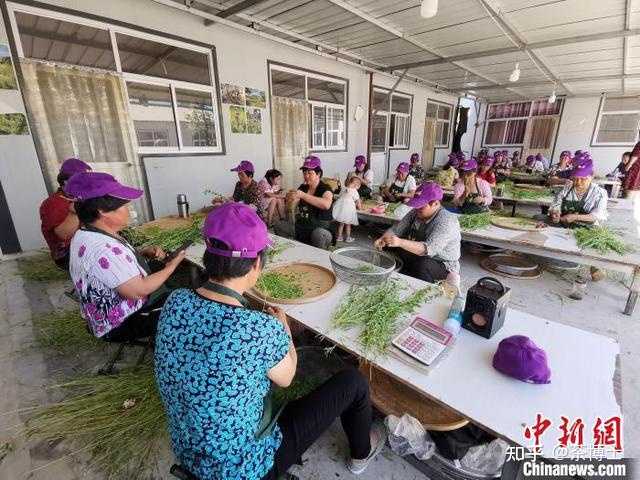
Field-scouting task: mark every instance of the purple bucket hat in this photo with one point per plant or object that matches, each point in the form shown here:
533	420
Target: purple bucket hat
414	158
244	166
583	169
520	358
404	167
87	185
427	192
311	163
360	161
71	166
469	165
238	226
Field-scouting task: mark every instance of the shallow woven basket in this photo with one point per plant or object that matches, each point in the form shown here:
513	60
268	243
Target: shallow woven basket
362	266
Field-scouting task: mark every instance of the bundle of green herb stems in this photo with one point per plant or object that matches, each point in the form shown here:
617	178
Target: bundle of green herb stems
168	240
474	221
377	311
279	285
600	238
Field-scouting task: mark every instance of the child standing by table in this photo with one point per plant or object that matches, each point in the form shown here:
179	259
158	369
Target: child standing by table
345	210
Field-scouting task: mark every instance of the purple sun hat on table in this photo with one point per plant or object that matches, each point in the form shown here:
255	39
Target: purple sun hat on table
244	166
86	185
71	166
238	226
469	165
427	192
519	357
311	163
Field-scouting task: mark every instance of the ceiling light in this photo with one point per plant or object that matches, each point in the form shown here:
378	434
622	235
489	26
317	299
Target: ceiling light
515	75
552	98
428	8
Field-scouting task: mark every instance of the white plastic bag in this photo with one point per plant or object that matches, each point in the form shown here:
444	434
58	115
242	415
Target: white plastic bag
488	458
407	436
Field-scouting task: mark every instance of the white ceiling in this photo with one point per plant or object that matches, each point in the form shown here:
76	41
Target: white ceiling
384	34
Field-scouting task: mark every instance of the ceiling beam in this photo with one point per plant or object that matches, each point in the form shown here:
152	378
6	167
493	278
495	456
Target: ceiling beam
235	9
512	33
541	83
625	47
401	35
632	32
337	55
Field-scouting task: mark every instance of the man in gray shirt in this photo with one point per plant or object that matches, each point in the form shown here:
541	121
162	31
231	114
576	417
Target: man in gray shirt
427	238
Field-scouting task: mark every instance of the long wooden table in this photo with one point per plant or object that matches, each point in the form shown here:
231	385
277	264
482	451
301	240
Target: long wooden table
560	243
509	200
465	380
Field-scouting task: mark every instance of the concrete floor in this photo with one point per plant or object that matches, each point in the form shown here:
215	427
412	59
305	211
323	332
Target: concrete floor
25	371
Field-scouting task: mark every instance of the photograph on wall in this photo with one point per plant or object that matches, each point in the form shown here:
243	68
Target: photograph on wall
255	98
13	124
232	94
7	78
238	119
254	120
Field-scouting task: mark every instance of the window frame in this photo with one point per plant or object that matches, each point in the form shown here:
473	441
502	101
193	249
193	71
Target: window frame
313	147
450	121
113	27
389	114
601	113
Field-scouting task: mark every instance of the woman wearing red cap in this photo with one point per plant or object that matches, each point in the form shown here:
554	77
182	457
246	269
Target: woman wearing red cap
216	360
58	217
119	294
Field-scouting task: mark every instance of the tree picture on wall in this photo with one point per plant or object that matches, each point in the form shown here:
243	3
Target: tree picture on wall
7	77
238	119
13	124
254	120
233	94
255	98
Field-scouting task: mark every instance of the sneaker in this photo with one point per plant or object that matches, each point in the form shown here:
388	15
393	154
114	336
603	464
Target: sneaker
340	239
349	239
357	466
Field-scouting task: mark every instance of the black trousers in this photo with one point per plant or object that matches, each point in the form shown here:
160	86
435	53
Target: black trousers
423	267
141	324
345	395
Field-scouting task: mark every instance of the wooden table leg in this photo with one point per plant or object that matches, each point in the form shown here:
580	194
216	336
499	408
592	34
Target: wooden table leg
633	294
513	209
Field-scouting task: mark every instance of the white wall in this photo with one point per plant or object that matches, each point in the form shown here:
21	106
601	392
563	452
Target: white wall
20	173
242	60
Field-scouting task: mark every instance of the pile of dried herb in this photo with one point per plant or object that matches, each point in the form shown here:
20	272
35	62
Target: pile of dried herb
40	268
285	286
602	239
474	221
65	332
522	193
118	420
377	311
391	208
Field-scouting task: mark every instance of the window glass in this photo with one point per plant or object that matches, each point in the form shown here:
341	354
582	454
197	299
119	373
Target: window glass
319	122
621	104
196	118
618	128
379	132
444	112
151	109
335	127
285	84
432	110
325	91
495	132
60	41
400	104
146	57
380	101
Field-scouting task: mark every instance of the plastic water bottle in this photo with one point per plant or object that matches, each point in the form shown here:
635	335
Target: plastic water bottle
454	318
